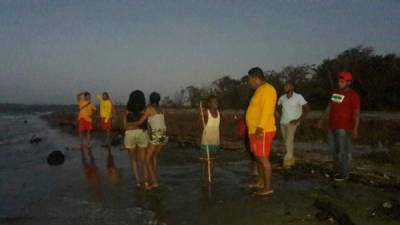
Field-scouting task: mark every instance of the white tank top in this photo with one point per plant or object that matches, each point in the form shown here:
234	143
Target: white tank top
211	130
157	122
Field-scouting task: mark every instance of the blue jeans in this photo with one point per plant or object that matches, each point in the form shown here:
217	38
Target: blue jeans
340	145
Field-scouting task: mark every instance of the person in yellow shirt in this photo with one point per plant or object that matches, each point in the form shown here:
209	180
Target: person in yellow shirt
86	109
106	114
260	120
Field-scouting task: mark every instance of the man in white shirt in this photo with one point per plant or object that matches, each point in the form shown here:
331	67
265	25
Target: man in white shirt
292	108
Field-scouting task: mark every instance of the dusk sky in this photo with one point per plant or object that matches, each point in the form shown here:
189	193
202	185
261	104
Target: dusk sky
51	50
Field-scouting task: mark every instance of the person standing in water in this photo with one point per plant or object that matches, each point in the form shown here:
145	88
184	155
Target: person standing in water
136	138
292	108
157	128
106	114
260	119
243	132
86	109
210	140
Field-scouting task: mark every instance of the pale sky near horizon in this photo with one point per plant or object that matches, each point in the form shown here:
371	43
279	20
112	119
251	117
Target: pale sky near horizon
50	50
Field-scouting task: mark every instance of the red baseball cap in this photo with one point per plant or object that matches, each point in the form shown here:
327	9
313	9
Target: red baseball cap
347	76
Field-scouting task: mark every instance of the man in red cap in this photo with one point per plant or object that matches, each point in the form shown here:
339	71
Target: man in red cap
343	114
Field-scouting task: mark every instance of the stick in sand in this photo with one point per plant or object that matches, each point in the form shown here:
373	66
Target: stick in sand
207	150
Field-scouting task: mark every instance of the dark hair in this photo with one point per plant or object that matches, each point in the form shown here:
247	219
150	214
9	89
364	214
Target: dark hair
86	94
106	94
289	82
256	72
211	97
136	102
155	98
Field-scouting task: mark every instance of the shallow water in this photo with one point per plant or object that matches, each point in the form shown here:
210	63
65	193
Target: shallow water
84	191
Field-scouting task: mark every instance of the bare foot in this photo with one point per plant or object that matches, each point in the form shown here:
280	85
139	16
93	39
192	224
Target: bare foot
153	186
256	185
264	192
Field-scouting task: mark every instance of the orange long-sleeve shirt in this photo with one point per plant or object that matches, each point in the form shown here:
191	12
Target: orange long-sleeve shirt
261	110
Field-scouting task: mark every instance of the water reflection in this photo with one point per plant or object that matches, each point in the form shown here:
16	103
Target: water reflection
114	173
91	173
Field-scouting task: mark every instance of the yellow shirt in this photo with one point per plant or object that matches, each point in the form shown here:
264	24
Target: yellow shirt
105	108
261	110
85	110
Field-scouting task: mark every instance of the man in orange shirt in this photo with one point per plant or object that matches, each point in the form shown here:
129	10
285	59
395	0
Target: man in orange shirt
260	120
86	109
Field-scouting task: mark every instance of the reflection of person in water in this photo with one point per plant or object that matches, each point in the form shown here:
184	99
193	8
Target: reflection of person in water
113	172
91	173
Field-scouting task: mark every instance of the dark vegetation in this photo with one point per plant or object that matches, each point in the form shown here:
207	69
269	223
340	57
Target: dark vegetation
376	79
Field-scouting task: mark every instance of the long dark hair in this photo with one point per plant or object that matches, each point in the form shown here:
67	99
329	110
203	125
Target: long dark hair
136	102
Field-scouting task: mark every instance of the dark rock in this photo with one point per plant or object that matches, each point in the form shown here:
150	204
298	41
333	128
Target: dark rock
35	140
330	210
55	158
390	208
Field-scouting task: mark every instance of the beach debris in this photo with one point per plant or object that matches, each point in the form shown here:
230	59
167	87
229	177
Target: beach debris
55	158
389	208
329	211
35	140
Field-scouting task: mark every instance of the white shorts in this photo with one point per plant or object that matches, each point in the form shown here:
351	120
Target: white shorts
136	138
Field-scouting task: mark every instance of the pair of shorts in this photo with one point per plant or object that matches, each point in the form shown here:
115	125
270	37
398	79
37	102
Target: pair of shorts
158	137
85	125
136	138
105	125
261	147
211	148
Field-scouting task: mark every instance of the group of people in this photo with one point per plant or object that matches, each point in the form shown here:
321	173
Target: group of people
342	114
144	126
146	132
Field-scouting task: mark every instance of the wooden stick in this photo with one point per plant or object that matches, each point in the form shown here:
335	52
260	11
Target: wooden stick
207	149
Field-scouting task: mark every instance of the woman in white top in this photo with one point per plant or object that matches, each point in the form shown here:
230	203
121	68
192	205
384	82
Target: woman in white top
158	137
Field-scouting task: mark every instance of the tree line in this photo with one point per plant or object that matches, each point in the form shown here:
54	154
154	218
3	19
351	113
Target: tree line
375	77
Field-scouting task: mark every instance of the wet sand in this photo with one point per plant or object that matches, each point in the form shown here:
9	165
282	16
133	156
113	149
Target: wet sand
85	191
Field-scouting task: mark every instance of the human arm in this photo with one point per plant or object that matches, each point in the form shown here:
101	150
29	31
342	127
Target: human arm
306	109
144	117
78	97
124	120
203	117
267	111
